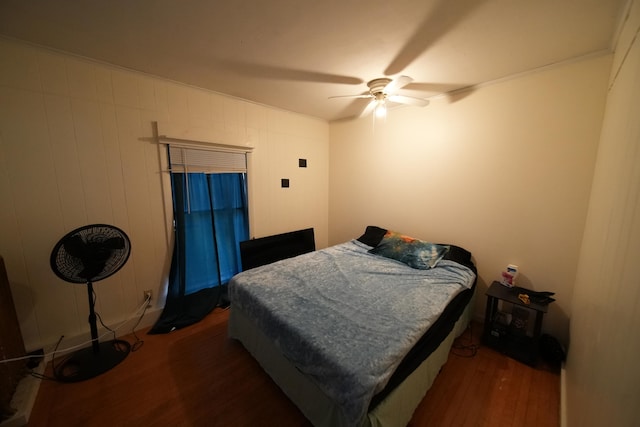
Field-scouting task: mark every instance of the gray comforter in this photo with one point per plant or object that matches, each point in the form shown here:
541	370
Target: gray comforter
345	317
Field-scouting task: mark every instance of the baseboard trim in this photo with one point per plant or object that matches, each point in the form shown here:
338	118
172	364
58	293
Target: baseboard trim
84	339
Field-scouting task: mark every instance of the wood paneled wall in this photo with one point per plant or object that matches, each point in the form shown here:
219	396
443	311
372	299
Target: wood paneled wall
77	147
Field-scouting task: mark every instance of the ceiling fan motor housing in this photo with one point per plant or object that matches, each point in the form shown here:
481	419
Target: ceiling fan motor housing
377	85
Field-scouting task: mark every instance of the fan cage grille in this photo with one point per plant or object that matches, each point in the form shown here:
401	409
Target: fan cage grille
97	263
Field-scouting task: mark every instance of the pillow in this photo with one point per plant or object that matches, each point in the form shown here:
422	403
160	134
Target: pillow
413	252
372	235
458	254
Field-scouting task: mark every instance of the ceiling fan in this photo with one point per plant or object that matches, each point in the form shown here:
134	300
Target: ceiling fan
382	91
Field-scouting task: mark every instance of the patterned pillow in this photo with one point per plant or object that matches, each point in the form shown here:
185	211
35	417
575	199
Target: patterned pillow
413	252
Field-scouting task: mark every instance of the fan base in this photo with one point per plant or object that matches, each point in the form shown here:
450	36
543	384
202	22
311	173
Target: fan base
87	363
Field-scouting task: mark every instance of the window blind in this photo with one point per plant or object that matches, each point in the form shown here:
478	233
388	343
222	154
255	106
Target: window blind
183	159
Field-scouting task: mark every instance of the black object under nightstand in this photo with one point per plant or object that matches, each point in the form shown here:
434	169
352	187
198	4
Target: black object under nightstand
512	338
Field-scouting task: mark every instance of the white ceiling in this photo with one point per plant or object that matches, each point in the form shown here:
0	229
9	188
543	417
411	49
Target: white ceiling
294	54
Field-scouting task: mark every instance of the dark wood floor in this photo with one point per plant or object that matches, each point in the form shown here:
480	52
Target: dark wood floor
198	377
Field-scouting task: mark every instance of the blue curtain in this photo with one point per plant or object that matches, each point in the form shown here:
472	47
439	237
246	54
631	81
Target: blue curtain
211	219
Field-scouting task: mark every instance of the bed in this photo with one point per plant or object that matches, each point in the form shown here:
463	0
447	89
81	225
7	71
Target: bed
356	333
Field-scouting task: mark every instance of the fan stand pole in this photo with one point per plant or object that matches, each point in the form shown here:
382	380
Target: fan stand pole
92	361
92	319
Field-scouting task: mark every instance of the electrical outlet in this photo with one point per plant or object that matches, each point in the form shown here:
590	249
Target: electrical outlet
148	296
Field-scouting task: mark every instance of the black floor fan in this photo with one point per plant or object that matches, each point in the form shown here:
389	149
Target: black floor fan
86	255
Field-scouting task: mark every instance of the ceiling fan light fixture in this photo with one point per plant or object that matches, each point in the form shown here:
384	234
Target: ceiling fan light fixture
380	99
381	109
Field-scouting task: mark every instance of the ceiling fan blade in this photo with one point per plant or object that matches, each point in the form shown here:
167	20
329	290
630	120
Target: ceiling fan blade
440	20
435	87
409	100
397	83
368	95
369	108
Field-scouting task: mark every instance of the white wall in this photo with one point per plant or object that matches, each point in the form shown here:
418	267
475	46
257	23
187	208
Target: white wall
602	370
503	170
75	149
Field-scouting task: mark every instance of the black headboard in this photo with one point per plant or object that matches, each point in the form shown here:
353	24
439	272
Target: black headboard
265	250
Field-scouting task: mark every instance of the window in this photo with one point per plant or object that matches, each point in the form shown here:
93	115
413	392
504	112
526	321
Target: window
209	190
